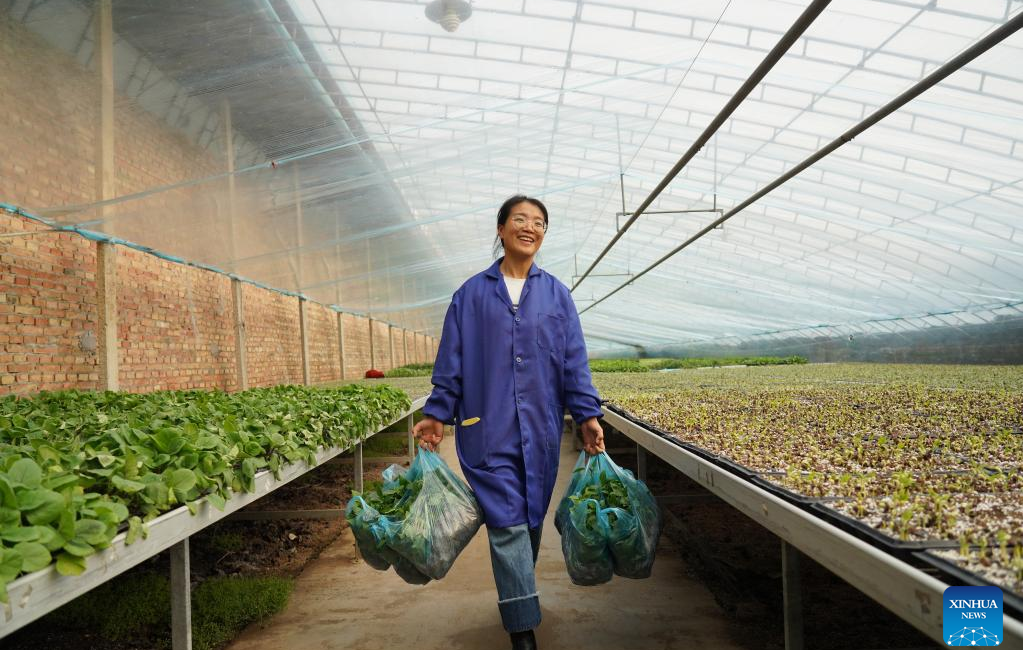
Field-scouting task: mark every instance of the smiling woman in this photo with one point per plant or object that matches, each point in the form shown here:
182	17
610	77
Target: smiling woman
529	221
511	359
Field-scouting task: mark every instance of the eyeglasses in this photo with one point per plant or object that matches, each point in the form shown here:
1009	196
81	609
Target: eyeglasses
538	224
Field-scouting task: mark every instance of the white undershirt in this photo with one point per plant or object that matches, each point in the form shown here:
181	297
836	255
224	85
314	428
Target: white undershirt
514	288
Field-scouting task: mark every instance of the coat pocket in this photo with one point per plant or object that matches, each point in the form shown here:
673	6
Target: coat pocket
550	333
472	444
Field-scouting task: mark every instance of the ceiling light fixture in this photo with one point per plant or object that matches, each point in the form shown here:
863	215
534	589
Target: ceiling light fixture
449	13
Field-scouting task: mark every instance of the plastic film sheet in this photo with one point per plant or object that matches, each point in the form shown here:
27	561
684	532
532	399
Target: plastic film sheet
355	152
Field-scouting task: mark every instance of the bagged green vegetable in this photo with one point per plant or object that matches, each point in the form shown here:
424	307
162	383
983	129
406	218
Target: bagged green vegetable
372	515
417	521
609	523
584	544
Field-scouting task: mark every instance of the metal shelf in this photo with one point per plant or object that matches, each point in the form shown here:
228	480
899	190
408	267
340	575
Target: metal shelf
907	592
36	594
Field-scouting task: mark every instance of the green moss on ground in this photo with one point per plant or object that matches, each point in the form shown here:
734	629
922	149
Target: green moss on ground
137	606
223	607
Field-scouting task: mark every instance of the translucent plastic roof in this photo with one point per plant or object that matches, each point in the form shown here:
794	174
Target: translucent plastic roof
393	143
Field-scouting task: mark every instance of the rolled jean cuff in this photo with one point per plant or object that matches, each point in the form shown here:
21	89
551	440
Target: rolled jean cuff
520	614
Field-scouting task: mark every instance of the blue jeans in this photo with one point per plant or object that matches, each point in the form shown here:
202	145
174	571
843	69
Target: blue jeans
513	553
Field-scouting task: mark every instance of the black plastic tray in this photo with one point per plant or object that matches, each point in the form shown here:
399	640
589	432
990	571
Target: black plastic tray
1012	603
710	456
786	494
870	534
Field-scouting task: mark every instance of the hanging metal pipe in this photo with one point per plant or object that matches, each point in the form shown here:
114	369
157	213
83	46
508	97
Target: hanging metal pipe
965	57
625	214
776	53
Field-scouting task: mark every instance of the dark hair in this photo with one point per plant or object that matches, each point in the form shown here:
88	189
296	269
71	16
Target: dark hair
505	212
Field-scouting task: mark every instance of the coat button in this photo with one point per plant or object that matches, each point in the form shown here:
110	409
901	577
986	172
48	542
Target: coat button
518	359
518	319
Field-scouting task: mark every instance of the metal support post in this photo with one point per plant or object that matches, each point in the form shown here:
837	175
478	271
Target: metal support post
390	347
357	465
106	298
232	195
241	355
404	346
303	329
409	425
372	348
640	462
181	597
793	595
341	343
357	469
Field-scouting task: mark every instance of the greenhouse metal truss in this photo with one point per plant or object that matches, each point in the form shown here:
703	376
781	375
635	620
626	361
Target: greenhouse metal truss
363	152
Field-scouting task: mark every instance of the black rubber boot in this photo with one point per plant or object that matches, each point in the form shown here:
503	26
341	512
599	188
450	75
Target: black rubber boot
523	640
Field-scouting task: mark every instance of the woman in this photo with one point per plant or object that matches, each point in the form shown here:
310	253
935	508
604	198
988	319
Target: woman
511	358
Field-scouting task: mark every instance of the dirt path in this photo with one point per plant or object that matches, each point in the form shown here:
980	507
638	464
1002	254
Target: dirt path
340	602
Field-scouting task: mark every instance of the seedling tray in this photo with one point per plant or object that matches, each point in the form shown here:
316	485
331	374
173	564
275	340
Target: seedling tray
866	532
720	461
794	498
1012	603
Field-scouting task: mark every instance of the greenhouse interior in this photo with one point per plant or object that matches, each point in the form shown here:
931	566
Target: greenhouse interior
605	324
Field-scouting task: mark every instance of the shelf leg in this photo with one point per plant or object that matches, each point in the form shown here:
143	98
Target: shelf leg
410	423
357	470
357	467
640	462
793	596
181	597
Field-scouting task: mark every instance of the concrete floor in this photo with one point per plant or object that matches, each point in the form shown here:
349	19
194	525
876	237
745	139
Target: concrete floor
340	602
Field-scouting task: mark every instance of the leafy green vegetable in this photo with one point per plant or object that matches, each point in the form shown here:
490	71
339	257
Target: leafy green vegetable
76	468
392	499
411	370
646	365
608	493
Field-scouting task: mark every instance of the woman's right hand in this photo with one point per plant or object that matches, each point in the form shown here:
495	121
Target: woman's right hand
430	432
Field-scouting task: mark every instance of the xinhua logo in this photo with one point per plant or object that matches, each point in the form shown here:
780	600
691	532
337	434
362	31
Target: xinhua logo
973	616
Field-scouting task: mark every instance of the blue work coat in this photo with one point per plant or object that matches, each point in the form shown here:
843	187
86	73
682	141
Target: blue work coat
516	369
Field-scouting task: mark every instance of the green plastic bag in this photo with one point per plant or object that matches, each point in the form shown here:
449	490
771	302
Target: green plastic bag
584	544
609	523
370	528
429	516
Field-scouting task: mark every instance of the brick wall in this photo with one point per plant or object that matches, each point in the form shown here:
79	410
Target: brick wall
321	328
44	140
175	324
381	349
399	356
406	346
356	346
49	136
47	310
273	340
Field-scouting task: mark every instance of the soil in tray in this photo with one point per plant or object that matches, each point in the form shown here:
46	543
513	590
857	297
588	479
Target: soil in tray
740	562
1001	567
228	548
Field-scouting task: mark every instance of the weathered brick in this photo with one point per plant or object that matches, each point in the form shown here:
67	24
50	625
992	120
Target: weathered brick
175	322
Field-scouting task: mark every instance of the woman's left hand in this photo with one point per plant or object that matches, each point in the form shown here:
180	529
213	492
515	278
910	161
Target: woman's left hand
593	436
